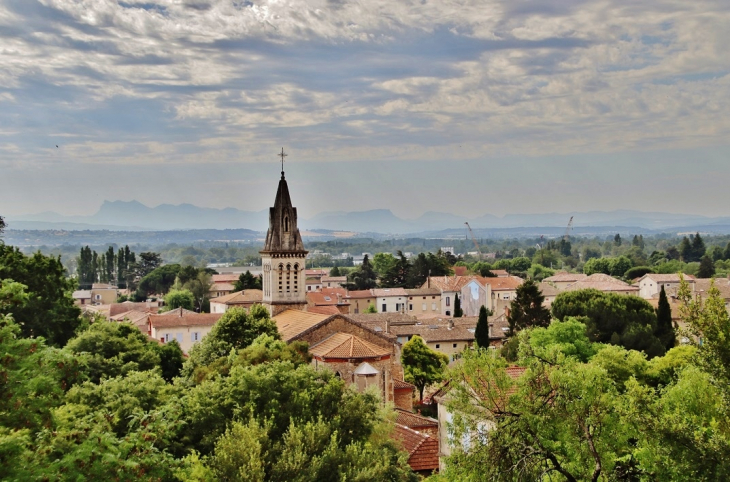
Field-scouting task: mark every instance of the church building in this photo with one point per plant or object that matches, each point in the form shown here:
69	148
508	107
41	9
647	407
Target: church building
283	257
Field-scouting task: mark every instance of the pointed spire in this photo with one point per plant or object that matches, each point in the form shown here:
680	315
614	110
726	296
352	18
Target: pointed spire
283	234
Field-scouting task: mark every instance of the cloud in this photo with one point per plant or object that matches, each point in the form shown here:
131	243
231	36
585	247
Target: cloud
198	81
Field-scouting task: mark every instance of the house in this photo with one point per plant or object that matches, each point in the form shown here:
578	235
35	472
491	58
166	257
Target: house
82	297
361	356
360	300
449	336
474	295
390	300
334	297
424	302
447	442
503	289
422	449
316	273
605	283
417	422
449	286
103	294
651	283
333	281
218	289
562	280
229	278
145	306
242	299
499	273
313	284
187	327
549	291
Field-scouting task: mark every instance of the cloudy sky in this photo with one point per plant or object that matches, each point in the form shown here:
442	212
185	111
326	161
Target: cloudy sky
470	107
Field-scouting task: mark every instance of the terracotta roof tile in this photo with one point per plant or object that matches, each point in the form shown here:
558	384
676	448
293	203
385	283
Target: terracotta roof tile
118	308
565	277
668	278
292	323
422	449
180	317
345	345
319	298
240	297
225	278
385	292
402	385
447	283
323	310
221	287
360	294
414	421
506	283
424	292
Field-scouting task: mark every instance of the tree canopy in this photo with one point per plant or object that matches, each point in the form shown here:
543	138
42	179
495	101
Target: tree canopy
527	308
422	365
48	310
623	320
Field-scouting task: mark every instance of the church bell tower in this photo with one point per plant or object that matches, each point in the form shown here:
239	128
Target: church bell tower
283	256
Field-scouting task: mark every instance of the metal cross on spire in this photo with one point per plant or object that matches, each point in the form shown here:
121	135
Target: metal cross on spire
282	155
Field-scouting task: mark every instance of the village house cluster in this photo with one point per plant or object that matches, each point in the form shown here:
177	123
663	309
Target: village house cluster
361	347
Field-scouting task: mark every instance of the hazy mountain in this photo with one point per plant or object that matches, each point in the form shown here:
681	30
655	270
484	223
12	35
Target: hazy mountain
377	220
135	216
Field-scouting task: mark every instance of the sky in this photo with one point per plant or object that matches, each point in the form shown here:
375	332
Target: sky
468	107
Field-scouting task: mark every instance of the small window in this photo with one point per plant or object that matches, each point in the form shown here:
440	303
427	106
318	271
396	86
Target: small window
454	345
423	307
410	307
448	301
384	308
438	346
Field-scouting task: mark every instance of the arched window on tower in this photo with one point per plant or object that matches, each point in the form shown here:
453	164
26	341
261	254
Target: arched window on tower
286	224
296	278
281	278
288	278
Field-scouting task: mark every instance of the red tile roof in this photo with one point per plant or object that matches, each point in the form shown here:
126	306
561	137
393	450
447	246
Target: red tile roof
323	310
402	385
181	317
414	421
422	449
225	278
506	283
240	298
345	345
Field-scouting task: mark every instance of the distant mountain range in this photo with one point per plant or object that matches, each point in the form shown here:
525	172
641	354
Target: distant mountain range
135	216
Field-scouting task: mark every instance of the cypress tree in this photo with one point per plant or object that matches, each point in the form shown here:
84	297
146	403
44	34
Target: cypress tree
698	247
481	334
707	267
458	312
665	328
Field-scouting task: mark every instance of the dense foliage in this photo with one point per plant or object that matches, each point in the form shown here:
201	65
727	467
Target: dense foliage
48	309
581	410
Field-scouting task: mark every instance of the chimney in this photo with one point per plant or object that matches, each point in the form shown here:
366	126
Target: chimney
491	325
339	299
387	326
451	324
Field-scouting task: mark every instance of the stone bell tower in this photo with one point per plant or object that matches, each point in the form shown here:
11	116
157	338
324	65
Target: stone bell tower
283	256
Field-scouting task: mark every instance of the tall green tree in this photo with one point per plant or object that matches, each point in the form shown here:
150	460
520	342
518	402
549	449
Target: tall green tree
458	312
623	320
397	275
707	267
247	281
49	310
158	281
527	308
481	333
664	326
685	250
698	247
363	277
236	329
422	365
180	299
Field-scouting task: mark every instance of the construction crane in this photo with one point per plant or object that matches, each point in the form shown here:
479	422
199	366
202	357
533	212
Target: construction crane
476	245
567	230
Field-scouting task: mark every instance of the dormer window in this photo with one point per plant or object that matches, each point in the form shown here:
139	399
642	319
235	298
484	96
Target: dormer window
286	224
